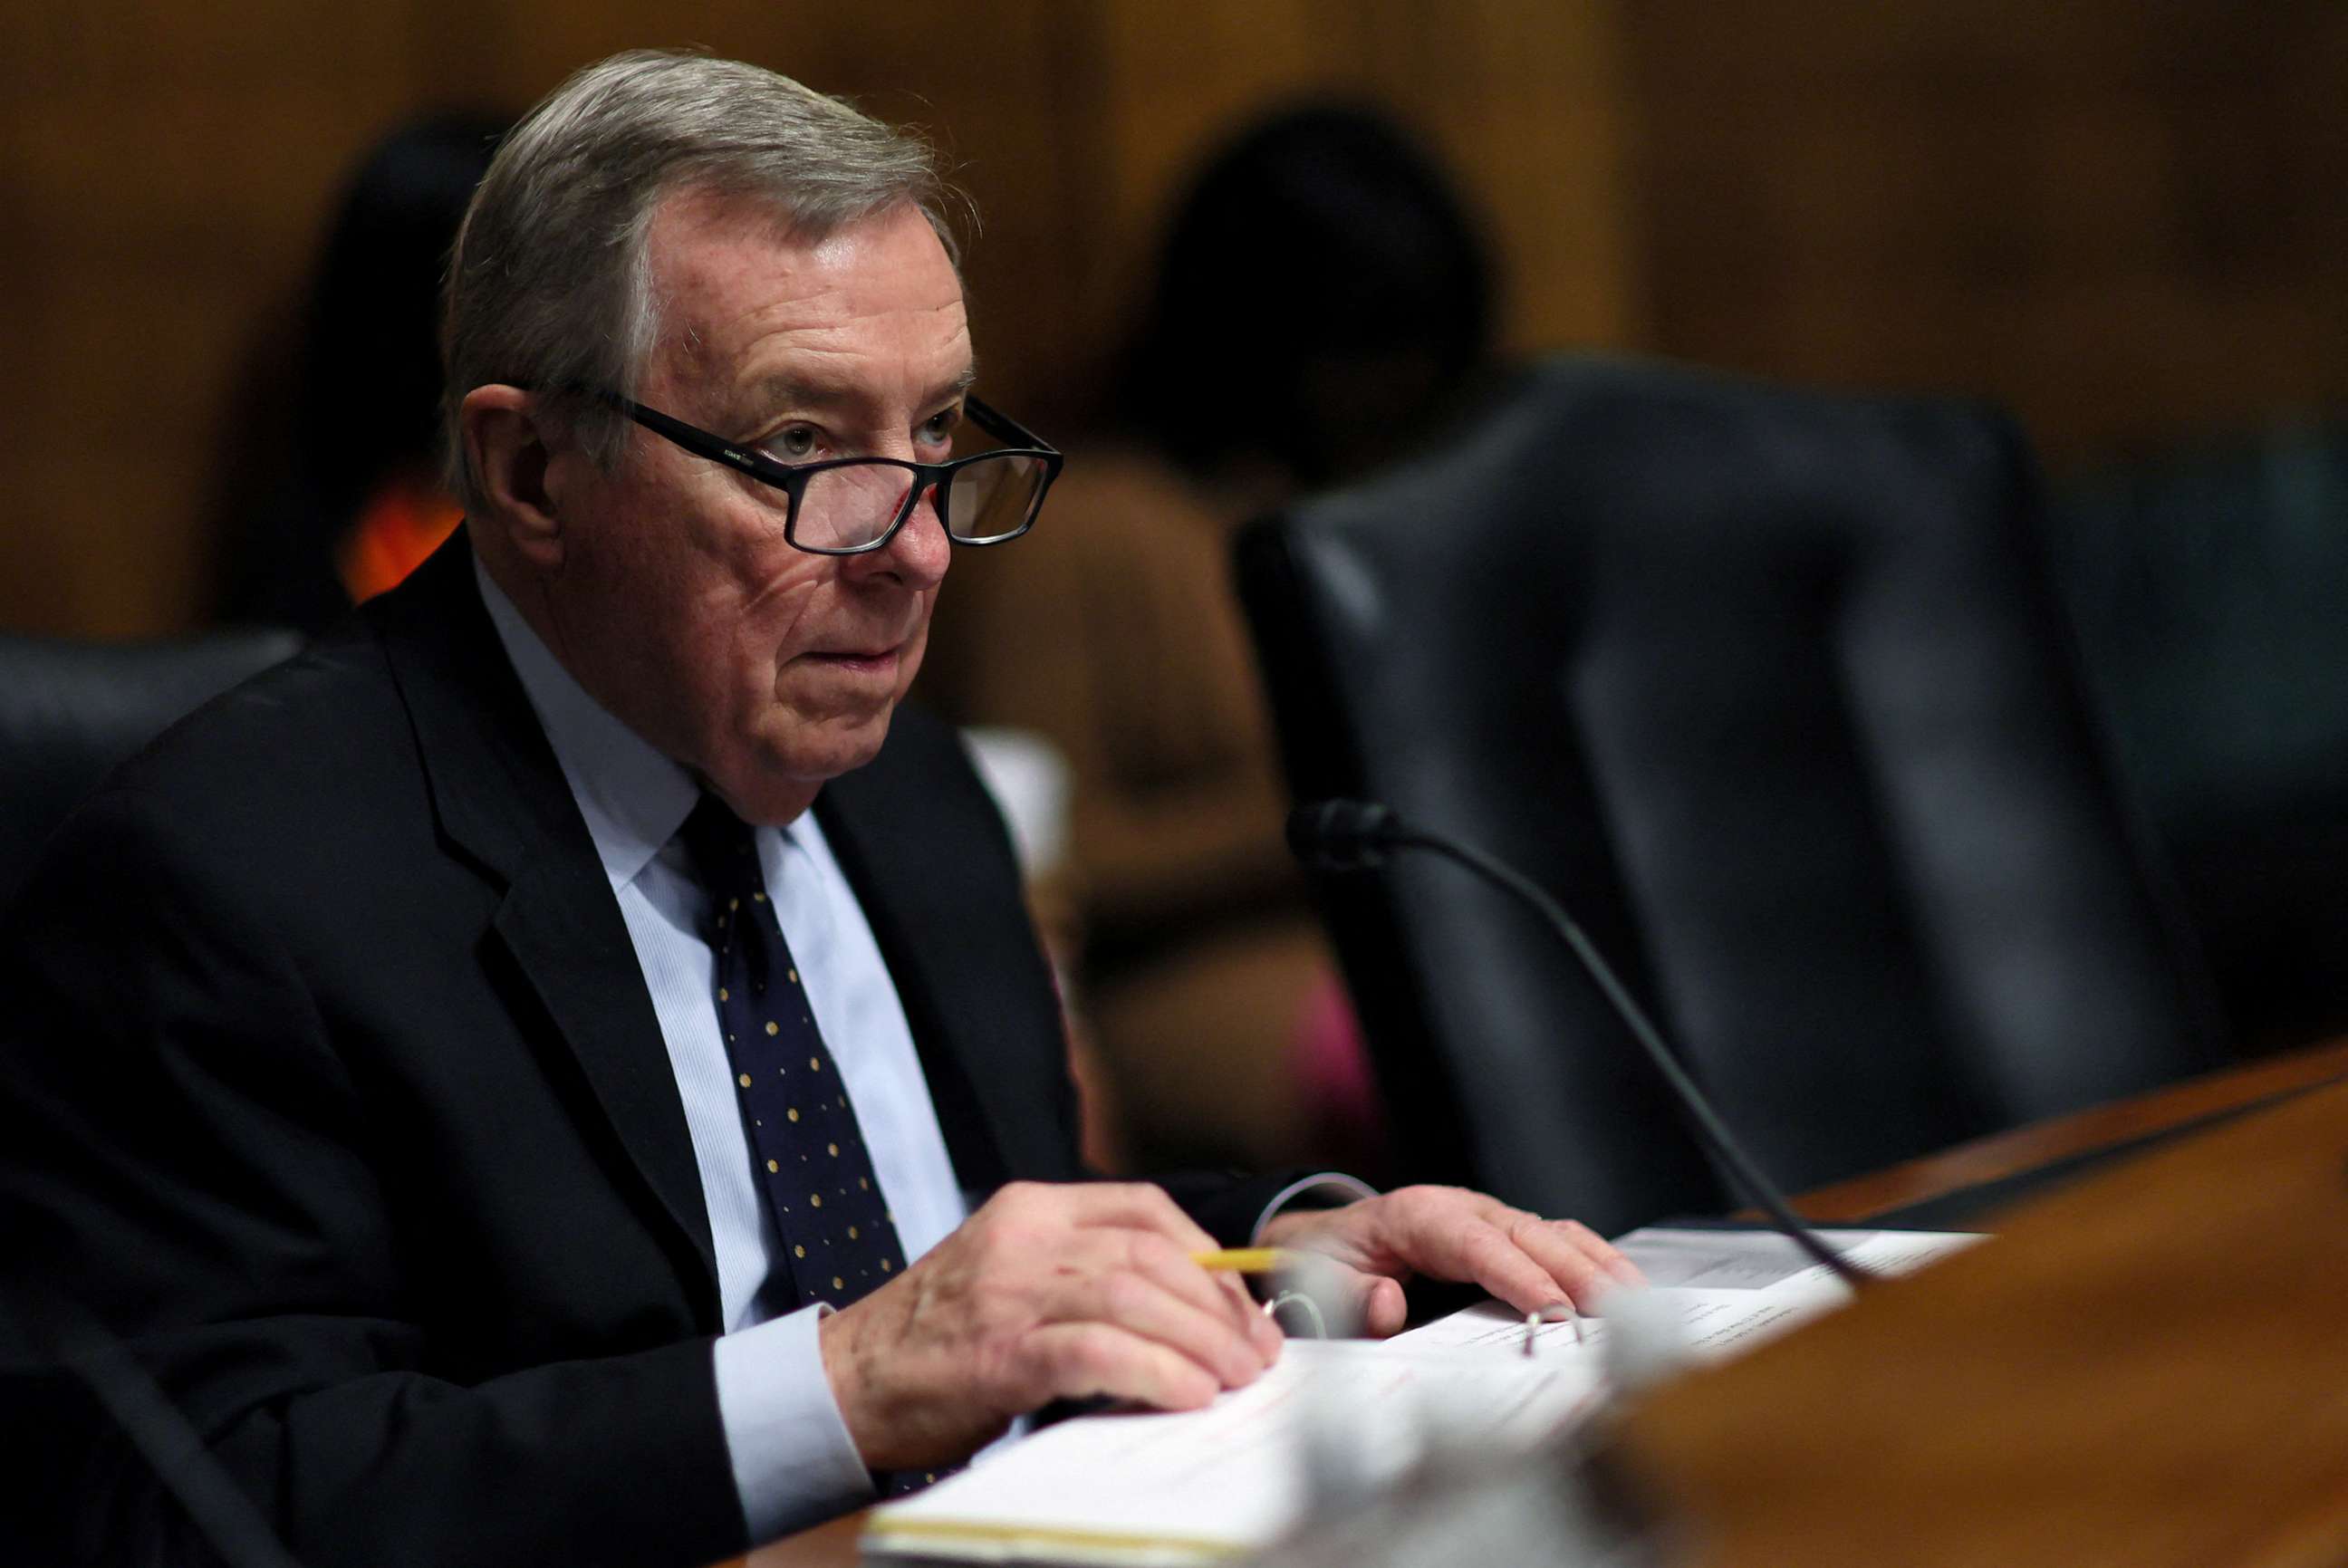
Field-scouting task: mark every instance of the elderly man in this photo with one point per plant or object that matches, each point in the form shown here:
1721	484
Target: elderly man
559	1072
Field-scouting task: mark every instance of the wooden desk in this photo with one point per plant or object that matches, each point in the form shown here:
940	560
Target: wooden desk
1684	1452
2149	1368
831	1545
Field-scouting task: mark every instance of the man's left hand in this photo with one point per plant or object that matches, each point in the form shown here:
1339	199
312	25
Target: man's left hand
1449	1233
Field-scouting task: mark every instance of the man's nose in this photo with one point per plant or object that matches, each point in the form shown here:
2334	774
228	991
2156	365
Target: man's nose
919	553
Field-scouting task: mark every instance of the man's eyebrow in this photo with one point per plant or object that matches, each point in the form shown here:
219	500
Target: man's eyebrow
948	391
760	398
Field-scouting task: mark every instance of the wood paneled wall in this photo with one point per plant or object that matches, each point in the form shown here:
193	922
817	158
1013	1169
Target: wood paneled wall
2127	220
166	173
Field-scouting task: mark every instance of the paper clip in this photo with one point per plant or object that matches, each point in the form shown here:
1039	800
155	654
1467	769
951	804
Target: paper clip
1562	1312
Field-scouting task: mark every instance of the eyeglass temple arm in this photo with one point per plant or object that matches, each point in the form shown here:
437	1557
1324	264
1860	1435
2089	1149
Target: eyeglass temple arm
1003	427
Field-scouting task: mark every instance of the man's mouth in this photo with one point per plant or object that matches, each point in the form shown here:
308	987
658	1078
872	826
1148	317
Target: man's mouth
860	661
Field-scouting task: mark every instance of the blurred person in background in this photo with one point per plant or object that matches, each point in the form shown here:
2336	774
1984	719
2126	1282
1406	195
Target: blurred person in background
357	501
1323	305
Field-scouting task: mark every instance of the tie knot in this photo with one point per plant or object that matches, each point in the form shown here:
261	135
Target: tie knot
724	848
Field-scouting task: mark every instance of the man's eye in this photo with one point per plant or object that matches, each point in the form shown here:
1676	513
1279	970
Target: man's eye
939	427
791	444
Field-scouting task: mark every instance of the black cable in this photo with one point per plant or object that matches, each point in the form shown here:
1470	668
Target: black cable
70	1337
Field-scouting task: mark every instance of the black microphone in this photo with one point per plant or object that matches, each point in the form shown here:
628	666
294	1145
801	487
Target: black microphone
1356	835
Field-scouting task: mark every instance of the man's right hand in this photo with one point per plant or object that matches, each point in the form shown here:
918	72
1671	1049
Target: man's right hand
1046	1293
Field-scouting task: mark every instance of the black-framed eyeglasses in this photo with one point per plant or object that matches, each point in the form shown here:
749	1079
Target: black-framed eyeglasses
848	505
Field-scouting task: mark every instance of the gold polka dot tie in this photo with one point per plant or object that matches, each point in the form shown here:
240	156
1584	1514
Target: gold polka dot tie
806	1148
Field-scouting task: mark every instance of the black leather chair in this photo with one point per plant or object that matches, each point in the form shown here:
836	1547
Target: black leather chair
1767	687
70	711
2209	588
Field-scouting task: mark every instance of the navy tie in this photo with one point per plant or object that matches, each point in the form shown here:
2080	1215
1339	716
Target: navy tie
809	1158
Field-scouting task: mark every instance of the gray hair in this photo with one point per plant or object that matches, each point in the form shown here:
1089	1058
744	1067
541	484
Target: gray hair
550	286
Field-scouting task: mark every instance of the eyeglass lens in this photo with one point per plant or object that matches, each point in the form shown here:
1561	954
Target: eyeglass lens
856	503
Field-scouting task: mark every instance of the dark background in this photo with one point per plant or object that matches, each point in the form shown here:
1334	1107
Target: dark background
2127	222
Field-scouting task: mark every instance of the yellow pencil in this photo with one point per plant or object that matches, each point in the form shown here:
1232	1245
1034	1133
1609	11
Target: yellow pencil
1242	1260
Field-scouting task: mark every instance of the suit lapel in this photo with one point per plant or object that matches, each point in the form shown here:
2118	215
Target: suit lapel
500	796
562	928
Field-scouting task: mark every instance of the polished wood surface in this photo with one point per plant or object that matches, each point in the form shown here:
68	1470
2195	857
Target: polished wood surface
2026	1148
2098	213
829	1545
2148	1369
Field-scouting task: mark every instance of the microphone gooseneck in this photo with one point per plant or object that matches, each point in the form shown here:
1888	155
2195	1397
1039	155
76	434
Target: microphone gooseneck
1357	835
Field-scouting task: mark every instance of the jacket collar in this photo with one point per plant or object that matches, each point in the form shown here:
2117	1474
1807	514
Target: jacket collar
633	798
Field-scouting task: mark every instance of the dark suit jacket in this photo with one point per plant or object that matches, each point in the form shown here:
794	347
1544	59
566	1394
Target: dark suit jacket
331	1082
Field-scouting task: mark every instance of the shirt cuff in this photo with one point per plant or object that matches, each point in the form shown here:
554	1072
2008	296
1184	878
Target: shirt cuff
1329	1190
794	1462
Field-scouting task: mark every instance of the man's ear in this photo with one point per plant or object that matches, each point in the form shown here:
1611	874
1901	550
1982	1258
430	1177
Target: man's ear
511	444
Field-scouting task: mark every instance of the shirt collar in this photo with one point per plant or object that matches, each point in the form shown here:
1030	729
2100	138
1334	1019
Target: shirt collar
633	798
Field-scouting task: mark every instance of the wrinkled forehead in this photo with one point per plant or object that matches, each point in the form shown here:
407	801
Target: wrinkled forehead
741	290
